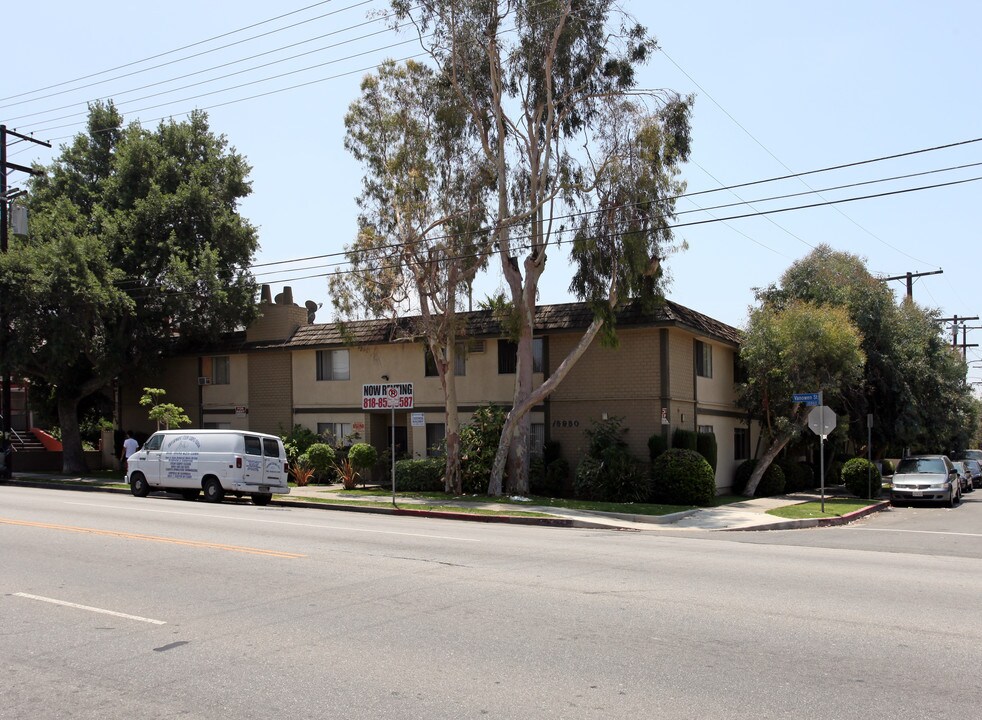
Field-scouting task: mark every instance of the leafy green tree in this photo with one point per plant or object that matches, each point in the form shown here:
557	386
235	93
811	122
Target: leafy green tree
136	246
550	90
166	415
422	209
801	345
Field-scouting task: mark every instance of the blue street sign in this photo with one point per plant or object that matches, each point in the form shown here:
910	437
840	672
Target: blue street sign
806	398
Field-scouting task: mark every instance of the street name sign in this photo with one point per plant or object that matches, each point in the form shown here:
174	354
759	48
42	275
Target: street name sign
807	398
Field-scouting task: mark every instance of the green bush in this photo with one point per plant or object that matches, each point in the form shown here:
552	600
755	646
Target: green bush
797	477
771	484
683	477
537	474
478	445
421	475
321	457
685	439
656	446
298	441
362	456
887	467
557	475
862	478
706	446
616	478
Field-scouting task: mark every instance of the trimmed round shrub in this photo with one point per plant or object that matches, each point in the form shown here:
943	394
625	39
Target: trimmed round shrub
362	456
706	446
862	478
684	439
683	477
321	457
771	484
656	446
420	475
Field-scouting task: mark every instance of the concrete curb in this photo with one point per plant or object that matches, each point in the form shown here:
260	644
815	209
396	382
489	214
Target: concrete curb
817	522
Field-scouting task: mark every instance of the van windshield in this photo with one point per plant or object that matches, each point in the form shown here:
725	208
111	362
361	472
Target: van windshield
922	465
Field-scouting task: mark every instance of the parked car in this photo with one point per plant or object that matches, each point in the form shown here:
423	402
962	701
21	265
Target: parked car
967	474
975	470
967	455
926	478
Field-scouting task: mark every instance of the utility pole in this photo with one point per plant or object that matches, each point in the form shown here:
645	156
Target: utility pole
5	199
909	277
955	320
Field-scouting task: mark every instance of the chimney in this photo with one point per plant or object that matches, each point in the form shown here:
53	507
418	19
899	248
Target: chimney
265	297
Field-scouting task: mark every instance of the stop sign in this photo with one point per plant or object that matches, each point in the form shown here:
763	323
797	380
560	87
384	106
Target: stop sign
821	419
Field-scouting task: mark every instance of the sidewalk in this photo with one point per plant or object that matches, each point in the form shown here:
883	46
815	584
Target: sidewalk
750	514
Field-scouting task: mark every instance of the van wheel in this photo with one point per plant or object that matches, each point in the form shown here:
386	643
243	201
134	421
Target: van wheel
190	494
213	491
261	498
139	485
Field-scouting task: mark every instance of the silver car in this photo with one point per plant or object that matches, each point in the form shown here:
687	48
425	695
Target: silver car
926	478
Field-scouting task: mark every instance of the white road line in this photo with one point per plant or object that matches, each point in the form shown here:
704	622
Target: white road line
280	522
90	609
921	532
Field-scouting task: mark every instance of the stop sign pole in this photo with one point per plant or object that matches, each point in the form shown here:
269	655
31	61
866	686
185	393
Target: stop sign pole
821	420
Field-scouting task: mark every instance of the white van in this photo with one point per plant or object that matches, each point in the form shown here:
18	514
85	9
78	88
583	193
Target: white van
215	461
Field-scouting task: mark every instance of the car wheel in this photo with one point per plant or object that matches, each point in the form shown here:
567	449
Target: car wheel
213	491
952	498
139	485
261	498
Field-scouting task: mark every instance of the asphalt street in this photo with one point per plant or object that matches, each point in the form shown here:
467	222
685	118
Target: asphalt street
118	607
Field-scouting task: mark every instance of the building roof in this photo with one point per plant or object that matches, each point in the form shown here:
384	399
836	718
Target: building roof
549	319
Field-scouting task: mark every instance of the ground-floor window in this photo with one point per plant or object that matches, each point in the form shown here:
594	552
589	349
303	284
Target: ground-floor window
537	439
436	435
337	434
741	443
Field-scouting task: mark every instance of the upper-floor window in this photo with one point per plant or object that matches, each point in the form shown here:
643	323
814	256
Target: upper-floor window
704	359
220	370
459	362
508	356
332	365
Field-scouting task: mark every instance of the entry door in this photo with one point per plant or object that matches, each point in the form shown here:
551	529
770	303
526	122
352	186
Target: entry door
402	440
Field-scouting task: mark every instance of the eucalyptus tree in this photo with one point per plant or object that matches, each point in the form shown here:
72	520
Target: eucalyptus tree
539	80
422	233
799	345
136	245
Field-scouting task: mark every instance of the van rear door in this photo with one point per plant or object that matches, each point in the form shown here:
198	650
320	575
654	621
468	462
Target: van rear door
274	464
253	471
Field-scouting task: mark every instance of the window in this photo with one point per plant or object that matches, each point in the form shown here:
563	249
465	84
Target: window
508	356
537	439
436	435
460	362
253	446
332	365
219	370
338	434
707	429
271	448
154	443
741	444
704	359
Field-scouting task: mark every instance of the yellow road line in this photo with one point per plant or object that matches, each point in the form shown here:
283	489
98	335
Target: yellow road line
153	538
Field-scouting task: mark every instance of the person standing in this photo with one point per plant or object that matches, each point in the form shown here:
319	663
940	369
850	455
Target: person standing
130	446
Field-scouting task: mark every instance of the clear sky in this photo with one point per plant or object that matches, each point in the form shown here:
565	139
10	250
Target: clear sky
781	87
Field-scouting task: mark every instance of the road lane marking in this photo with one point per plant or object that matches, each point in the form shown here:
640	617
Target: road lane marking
921	532
90	609
153	538
279	522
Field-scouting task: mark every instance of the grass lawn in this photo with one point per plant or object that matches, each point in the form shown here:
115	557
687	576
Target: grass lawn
433	507
588	505
834	507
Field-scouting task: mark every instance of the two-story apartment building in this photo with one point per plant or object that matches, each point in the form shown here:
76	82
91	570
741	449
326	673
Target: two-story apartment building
672	368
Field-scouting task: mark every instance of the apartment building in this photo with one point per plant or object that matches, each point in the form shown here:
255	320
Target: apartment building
672	368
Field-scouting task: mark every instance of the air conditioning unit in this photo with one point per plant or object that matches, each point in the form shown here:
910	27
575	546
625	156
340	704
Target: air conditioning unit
204	381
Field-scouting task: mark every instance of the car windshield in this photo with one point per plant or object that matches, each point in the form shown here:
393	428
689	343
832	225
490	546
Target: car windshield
921	465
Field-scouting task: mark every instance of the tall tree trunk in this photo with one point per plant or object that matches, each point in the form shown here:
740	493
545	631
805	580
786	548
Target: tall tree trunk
452	474
776	446
72	457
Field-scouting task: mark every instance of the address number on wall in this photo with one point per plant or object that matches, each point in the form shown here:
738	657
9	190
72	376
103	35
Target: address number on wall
565	423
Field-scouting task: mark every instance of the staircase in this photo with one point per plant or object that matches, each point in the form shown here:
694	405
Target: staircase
26	442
